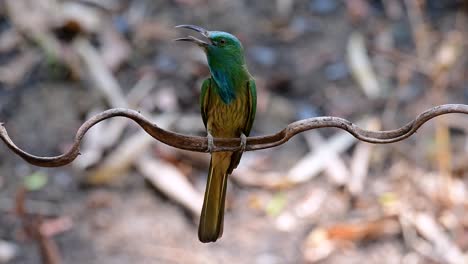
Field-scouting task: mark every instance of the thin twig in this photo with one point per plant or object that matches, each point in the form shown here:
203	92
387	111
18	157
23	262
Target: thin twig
199	144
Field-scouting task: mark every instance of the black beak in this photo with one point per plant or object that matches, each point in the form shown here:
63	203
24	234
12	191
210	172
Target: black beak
195	40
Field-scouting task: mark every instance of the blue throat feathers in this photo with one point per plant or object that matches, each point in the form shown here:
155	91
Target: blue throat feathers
225	85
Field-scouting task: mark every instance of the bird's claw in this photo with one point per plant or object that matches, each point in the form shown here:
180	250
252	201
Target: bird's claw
210	142
243	144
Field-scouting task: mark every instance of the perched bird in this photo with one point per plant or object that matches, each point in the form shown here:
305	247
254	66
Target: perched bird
228	103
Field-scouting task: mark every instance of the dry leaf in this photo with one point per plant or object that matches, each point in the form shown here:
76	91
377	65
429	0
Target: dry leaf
115	49
314	163
87	17
360	161
169	180
361	66
323	241
99	73
53	227
9	40
335	168
121	159
447	54
16	70
433	232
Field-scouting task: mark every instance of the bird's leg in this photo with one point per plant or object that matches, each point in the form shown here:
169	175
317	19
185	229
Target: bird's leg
243	144
210	142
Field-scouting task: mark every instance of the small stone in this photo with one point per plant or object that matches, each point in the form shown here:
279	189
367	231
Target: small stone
165	64
63	179
263	55
323	7
306	111
166	99
121	24
301	25
409	93
286	222
336	71
268	258
8	251
401	35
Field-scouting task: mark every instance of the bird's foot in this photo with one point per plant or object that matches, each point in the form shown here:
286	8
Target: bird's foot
243	144
210	142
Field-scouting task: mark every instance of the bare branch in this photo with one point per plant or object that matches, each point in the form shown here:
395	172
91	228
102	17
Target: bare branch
199	144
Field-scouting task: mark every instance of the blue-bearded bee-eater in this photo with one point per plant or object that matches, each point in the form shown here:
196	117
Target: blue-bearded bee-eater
228	103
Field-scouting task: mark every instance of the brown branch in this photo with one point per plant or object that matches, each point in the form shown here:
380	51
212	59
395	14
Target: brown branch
199	144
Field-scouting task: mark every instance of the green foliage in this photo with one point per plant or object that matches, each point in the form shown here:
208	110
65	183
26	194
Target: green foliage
35	181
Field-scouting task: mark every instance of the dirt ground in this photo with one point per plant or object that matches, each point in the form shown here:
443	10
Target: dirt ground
404	202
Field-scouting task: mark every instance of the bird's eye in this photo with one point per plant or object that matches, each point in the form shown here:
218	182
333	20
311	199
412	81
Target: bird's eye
222	41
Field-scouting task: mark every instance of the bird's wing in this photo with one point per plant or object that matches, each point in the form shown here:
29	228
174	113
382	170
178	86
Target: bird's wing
252	104
204	99
251	109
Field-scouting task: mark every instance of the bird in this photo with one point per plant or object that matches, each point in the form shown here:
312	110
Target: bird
228	103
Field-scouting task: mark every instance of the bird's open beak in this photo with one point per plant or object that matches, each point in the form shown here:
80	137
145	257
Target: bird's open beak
195	40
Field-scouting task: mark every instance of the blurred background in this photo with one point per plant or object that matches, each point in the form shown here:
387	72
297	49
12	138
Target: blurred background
322	197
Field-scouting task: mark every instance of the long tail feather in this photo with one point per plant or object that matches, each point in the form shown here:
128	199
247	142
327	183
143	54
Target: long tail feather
212	215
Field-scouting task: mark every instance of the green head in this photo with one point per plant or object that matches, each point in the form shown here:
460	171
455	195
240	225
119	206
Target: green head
219	45
225	56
